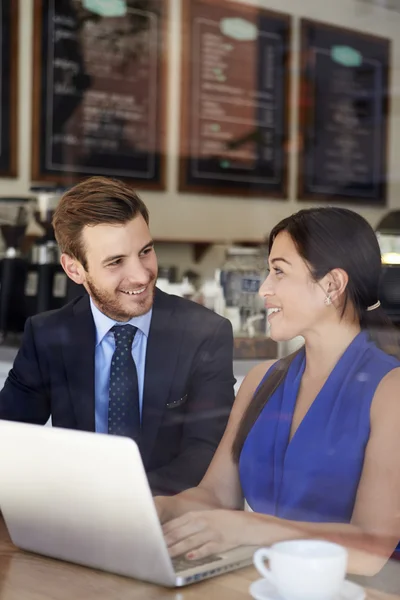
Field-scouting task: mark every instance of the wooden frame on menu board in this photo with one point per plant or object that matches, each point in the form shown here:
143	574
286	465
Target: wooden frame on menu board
344	115
99	92
9	88
235	99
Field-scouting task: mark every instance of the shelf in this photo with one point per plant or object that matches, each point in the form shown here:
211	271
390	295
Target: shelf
257	348
201	247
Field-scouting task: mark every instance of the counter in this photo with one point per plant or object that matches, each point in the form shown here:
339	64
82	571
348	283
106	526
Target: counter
8	353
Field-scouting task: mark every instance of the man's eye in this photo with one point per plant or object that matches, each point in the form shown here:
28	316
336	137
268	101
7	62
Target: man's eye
147	251
114	263
278	271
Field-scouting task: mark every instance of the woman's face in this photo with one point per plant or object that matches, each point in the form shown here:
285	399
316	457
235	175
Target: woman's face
298	300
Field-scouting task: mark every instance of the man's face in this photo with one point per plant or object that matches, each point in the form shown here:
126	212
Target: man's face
121	268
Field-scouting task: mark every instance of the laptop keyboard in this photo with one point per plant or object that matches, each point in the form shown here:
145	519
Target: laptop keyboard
180	563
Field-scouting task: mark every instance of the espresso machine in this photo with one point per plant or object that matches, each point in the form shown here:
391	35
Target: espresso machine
31	277
14	218
388	234
46	282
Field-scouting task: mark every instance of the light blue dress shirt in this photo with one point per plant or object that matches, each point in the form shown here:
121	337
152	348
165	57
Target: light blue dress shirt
105	346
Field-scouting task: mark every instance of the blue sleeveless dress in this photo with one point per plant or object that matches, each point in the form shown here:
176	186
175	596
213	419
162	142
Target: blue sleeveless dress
314	477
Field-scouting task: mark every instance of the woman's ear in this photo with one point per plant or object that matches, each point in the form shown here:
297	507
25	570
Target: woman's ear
336	283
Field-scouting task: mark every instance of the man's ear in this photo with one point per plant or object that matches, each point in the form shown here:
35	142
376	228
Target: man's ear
73	268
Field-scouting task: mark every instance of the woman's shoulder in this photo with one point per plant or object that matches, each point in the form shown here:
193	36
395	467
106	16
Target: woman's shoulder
386	405
252	381
383	370
259	372
376	359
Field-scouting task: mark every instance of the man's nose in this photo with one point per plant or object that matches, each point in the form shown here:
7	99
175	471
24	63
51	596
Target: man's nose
137	272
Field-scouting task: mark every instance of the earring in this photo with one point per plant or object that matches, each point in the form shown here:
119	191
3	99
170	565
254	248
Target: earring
328	300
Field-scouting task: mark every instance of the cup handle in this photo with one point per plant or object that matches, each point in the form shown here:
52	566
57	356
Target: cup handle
258	560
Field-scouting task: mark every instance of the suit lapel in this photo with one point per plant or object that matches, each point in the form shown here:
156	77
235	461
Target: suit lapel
162	353
161	356
78	352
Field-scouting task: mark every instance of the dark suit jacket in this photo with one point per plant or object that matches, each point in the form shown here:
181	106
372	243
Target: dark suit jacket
188	388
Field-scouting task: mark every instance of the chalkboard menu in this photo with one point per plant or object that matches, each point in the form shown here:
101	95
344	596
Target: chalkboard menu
235	73
343	115
99	90
8	87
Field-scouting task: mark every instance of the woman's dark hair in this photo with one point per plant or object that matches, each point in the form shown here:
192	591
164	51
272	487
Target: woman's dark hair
330	238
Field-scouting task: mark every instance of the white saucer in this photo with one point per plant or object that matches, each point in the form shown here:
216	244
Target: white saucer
265	590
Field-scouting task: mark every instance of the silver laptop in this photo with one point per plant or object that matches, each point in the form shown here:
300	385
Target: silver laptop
84	498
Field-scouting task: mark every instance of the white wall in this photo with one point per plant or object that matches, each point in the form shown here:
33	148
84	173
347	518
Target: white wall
186	216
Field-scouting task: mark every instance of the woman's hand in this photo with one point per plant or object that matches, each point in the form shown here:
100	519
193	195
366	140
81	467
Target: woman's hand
162	507
201	533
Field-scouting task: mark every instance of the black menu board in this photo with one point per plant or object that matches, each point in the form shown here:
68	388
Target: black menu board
8	87
343	115
99	90
235	75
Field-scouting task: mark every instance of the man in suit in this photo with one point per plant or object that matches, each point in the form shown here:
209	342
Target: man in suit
125	358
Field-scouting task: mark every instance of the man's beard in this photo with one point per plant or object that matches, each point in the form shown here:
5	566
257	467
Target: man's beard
110	305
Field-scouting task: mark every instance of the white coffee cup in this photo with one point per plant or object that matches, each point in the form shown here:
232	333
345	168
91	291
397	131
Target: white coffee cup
304	569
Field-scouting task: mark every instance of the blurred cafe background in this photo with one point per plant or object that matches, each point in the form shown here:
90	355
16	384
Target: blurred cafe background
225	115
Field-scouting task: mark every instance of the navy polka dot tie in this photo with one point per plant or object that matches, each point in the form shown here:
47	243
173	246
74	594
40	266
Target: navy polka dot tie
123	408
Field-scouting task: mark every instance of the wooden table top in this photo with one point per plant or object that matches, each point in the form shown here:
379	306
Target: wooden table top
26	576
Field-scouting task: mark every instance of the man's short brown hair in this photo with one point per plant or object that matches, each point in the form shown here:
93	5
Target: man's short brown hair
95	201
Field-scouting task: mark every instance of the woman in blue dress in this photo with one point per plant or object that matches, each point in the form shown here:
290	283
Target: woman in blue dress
312	443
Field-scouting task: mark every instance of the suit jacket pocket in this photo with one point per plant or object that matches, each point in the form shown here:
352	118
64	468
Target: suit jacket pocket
177	403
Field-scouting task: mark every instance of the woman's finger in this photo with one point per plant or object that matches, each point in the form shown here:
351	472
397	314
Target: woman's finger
189	544
206	549
186	521
183	532
179	522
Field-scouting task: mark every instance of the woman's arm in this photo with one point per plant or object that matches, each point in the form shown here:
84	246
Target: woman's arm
220	487
368	552
373	532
